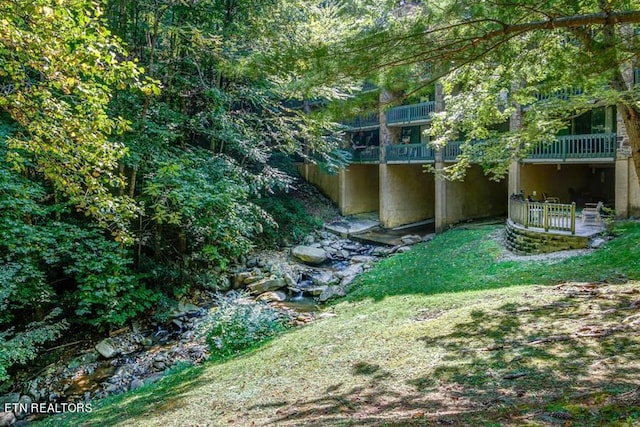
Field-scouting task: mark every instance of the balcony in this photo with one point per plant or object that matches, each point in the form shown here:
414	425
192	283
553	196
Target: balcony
365	155
413	113
370	121
410	153
452	150
576	148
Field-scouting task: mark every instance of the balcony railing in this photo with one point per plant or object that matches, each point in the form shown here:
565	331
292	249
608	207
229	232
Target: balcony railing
365	155
416	153
548	216
563	94
588	146
411	113
452	150
370	120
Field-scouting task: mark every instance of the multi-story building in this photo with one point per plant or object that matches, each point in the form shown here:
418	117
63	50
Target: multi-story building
589	162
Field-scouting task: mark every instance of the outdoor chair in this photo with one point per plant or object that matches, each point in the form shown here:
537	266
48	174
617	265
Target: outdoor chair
591	213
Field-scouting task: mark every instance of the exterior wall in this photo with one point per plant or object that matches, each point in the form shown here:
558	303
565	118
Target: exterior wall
360	189
475	197
329	185
407	195
520	240
571	183
634	191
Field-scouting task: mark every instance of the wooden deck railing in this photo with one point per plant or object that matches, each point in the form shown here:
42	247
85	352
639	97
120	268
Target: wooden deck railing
417	153
365	155
595	145
411	113
370	120
548	216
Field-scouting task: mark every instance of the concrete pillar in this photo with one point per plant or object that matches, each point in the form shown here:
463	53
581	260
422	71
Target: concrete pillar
440	181
514	177
440	197
515	123
622	186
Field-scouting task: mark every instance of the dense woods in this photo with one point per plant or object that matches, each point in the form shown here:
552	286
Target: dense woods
138	140
143	144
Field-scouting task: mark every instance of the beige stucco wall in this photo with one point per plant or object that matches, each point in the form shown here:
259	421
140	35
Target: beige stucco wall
475	197
589	183
329	185
407	195
633	191
360	189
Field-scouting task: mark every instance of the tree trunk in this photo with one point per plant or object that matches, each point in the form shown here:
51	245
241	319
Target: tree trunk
631	117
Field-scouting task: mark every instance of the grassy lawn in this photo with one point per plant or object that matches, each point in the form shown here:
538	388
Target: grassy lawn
446	334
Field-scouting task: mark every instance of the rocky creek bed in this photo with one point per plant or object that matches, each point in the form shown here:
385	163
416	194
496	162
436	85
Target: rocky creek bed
297	280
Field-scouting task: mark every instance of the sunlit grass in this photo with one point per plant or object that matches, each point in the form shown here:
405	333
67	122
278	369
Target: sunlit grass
409	347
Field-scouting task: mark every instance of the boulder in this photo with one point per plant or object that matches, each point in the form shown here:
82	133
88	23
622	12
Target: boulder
597	243
309	255
332	292
403	249
272	296
7	419
136	383
266	285
324	278
428	237
380	251
410	239
25	402
239	279
361	259
106	348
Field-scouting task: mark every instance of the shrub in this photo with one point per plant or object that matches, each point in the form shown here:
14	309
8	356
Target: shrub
239	323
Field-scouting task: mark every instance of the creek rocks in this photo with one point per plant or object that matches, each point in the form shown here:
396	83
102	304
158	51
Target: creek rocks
322	268
309	254
106	348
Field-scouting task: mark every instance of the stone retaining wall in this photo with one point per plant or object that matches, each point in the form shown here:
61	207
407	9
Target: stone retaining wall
527	241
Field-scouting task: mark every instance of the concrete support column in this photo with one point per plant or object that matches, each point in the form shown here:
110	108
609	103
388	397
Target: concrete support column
440	182
514	177
440	196
515	123
622	186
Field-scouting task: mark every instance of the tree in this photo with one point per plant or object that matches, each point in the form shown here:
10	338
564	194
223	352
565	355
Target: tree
495	56
59	64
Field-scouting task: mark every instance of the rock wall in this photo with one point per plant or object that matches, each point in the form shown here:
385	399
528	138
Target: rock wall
525	241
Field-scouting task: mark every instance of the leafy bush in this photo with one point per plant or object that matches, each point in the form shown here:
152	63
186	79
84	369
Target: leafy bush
292	219
239	323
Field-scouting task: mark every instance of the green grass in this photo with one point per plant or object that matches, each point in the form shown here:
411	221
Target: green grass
463	260
410	348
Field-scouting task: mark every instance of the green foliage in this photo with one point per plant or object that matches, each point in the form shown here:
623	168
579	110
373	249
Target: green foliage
292	220
239	323
59	66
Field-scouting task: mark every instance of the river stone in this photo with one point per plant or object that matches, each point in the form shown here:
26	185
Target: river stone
403	249
272	296
361	259
266	285
411	239
136	383
26	401
380	251
597	243
309	255
325	278
7	418
332	292
428	237
106	348
239	279
185	309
